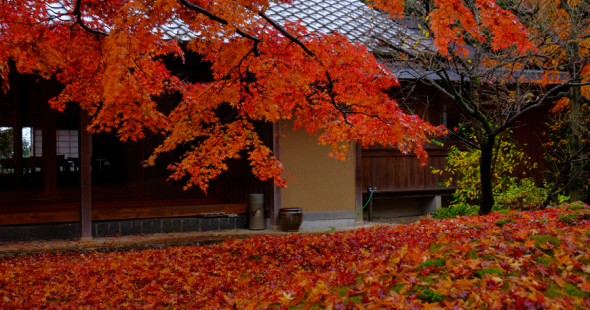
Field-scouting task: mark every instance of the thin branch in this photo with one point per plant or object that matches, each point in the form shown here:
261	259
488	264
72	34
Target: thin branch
78	13
216	18
466	141
282	30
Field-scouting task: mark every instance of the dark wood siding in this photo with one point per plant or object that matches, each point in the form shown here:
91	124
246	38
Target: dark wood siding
391	171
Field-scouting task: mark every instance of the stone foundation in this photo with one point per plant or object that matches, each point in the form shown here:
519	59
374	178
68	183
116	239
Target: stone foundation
123	227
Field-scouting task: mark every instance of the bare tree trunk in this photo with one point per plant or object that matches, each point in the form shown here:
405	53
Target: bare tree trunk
576	190
485	170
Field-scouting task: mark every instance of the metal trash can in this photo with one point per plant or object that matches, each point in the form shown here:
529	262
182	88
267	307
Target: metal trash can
256	211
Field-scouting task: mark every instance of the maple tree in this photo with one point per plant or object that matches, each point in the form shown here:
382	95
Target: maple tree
560	29
108	54
494	80
516	260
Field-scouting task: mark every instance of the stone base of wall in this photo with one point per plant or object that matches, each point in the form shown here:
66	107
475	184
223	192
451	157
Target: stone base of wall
328	223
123	227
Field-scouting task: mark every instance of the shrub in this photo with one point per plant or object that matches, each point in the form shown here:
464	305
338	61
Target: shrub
523	195
455	211
464	168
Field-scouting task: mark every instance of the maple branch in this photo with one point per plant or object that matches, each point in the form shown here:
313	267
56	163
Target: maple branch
78	13
332	100
282	30
293	39
216	18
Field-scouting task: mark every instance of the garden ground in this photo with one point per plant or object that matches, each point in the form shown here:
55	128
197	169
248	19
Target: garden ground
519	260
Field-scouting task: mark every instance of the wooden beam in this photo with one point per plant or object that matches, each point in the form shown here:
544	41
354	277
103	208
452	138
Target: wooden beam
69	213
85	212
277	201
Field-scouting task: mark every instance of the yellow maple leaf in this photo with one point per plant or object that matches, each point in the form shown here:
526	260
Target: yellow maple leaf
286	298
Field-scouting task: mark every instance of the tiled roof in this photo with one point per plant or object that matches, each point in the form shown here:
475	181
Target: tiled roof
351	18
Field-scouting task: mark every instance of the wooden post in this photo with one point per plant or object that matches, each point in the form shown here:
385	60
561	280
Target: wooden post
85	183
276	149
17	131
49	151
358	186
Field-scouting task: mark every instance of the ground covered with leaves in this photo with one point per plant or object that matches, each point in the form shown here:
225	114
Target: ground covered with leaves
513	260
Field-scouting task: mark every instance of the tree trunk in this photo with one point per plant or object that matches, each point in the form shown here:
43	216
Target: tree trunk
485	170
576	191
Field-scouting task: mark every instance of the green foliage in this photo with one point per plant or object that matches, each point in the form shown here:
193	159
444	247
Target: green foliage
561	199
546	261
455	211
430	296
542	239
567	218
480	273
570	290
523	195
573	218
439	262
556	148
575	206
6	143
332	229
464	168
503	222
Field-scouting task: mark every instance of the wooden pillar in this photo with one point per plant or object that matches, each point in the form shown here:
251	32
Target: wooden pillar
140	168
277	201
49	151
17	132
85	184
358	186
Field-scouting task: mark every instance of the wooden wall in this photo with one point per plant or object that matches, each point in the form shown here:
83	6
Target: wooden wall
393	172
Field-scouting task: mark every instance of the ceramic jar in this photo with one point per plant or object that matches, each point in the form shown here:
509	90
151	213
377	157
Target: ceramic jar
290	218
